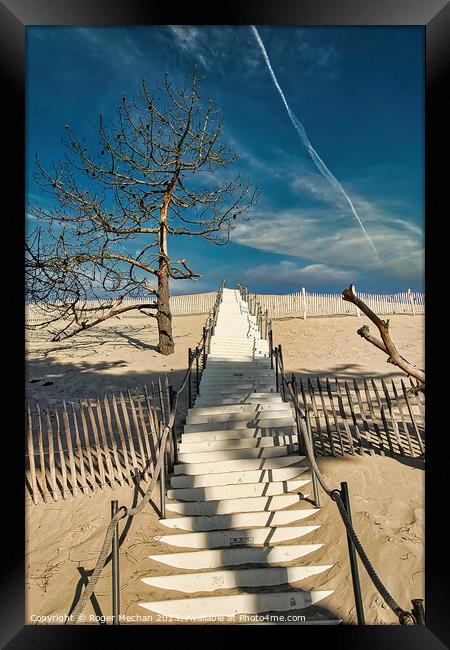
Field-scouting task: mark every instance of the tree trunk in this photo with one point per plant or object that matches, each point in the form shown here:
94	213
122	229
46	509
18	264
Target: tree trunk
164	316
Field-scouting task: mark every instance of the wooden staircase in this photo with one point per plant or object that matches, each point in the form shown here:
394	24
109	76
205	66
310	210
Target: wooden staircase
237	494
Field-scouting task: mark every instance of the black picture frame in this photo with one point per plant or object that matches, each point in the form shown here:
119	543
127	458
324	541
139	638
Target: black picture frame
15	16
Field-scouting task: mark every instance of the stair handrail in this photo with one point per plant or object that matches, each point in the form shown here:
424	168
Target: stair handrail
158	473
416	615
255	309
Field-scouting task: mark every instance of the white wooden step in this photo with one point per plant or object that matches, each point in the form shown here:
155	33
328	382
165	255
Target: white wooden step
212	559
263	452
237	465
240	491
240	443
237	478
257	363
249	415
234	434
253	399
237	381
191	583
239	520
193	609
228	506
223	385
227	392
238	408
265	422
268	536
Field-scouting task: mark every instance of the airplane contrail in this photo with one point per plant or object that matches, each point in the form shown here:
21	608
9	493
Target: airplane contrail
304	138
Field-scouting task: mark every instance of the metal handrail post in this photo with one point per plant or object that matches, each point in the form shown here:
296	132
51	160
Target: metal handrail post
276	369
162	484
297	422
283	388
115	567
204	347
313	474
353	562
189	378
418	610
197	380
271	346
172	397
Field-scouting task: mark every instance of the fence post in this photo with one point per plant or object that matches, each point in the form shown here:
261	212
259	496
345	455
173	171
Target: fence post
189	378
411	300
353	290
304	302
353	561
115	567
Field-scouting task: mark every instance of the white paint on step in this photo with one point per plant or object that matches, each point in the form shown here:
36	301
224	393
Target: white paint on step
191	583
195	609
268	536
236	465
196	560
244	443
240	491
227	506
239	520
237	478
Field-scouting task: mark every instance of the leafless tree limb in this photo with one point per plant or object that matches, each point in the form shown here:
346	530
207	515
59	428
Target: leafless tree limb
115	204
386	344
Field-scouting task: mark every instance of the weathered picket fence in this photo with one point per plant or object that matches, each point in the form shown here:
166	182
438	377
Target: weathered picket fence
81	447
197	303
364	415
306	304
78	448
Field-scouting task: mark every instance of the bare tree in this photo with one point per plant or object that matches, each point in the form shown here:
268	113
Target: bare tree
386	344
152	175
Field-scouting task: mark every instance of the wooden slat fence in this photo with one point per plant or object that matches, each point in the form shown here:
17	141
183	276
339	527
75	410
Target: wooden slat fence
306	304
197	303
77	448
363	416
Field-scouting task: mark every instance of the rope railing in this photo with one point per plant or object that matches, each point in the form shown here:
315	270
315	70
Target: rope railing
158	473
416	616
405	617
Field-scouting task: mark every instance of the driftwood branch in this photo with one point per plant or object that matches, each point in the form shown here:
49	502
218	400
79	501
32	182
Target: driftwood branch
386	344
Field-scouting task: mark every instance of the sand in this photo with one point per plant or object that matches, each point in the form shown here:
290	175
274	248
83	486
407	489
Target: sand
387	496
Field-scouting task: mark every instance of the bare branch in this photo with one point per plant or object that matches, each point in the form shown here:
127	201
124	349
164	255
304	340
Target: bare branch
114	207
386	344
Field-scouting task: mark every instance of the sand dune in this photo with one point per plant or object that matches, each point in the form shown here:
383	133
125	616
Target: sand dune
387	496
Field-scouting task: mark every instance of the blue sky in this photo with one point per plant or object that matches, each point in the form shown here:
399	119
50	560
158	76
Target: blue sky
359	93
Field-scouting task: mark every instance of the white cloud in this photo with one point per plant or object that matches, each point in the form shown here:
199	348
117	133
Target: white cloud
189	40
318	235
326	232
288	273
